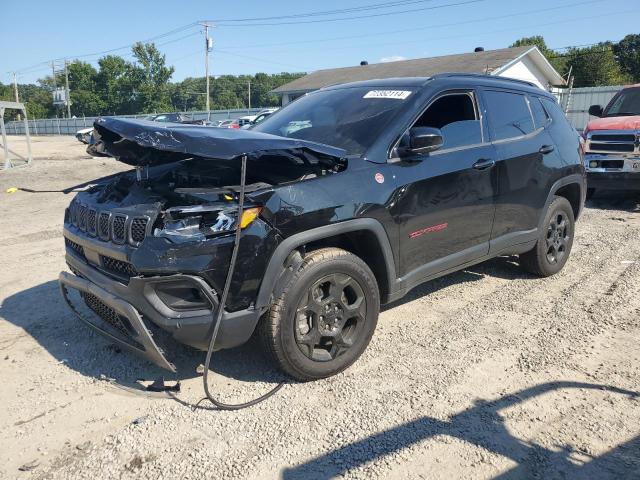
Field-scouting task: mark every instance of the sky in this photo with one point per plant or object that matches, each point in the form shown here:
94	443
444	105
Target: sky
287	38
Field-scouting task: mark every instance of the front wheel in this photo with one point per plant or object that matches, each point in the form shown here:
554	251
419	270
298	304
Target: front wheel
325	317
555	240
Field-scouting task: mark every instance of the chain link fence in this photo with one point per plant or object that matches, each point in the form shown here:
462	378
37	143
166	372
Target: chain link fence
69	126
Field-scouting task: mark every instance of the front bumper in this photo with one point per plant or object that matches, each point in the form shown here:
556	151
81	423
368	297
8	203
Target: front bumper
613	180
137	302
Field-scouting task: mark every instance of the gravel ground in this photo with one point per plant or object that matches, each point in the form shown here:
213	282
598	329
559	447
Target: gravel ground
485	373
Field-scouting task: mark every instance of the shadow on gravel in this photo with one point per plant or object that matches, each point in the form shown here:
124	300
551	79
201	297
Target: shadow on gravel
628	201
42	313
483	425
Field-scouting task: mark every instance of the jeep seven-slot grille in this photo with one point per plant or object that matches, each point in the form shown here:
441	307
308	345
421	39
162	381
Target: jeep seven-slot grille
110	316
91	222
108	226
118	230
138	229
103	226
117	267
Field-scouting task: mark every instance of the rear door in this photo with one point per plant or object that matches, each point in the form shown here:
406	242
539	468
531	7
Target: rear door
521	146
446	203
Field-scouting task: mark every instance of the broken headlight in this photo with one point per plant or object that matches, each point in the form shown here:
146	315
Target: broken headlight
199	223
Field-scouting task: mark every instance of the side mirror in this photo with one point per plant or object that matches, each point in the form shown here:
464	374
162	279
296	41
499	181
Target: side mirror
595	110
424	140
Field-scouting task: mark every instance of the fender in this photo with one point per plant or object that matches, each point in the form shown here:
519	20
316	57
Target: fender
283	251
576	178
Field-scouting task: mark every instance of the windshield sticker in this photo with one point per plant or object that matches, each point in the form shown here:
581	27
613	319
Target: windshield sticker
395	94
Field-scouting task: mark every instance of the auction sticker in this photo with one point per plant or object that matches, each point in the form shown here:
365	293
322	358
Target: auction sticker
395	94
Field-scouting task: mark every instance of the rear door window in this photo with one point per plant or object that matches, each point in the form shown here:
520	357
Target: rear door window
509	114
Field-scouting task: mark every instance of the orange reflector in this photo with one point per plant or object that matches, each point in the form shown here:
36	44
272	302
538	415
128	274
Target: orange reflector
249	215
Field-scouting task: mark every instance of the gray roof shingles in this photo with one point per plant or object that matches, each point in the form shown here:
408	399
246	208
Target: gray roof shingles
475	62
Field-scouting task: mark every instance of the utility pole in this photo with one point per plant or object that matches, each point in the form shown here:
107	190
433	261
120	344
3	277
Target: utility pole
15	91
55	86
249	102
67	95
208	45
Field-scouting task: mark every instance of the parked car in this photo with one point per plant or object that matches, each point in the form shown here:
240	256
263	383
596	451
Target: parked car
84	135
262	115
612	143
386	184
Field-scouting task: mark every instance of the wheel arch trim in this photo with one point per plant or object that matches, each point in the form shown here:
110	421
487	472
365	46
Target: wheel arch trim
288	245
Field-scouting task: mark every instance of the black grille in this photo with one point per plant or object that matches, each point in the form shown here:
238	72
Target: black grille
613	147
118	228
73	213
118	267
92	218
138	229
103	226
82	217
74	246
108	314
613	138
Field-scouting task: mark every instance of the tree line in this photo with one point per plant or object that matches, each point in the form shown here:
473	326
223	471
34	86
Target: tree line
120	87
605	63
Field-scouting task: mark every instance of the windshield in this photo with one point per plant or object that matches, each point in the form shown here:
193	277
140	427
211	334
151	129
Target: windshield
348	118
625	103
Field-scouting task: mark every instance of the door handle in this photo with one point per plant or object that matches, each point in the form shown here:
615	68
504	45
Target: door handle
484	163
544	149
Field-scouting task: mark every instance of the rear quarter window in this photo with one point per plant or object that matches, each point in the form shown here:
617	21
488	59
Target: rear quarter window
540	115
509	114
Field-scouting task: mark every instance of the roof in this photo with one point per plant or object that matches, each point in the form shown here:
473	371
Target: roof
490	61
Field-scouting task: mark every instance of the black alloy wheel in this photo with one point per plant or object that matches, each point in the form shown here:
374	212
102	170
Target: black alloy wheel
330	316
557	237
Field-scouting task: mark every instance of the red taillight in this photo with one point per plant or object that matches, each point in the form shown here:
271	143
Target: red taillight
235	125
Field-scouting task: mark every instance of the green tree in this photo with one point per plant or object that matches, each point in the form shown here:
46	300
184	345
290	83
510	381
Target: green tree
627	53
85	99
150	79
594	66
113	85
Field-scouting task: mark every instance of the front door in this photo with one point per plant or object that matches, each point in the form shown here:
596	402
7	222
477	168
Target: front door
445	205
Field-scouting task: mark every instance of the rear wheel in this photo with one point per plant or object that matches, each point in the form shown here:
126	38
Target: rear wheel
325	317
555	241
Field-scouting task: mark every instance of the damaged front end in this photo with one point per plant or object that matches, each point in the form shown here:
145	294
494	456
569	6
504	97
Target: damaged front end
150	248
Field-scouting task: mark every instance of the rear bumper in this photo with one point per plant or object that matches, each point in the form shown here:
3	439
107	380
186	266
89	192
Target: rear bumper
138	303
613	180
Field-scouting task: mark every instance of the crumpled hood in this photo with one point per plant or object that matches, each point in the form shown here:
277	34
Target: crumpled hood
630	122
140	142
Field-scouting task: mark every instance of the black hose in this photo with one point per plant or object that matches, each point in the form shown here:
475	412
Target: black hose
223	300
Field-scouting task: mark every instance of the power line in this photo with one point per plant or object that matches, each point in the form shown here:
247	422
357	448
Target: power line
425	27
376	6
358	17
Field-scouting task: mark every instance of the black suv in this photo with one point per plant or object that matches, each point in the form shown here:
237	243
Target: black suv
355	194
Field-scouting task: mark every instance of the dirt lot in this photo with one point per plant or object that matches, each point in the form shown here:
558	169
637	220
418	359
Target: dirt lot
485	373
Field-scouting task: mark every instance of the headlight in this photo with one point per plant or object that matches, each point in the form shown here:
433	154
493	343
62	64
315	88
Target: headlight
593	164
183	224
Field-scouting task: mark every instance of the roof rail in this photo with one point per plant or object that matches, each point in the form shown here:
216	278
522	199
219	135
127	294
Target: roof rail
481	75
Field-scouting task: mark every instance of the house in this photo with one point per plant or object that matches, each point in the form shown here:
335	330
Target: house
523	63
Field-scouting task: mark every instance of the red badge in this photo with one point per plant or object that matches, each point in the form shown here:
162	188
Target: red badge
379	177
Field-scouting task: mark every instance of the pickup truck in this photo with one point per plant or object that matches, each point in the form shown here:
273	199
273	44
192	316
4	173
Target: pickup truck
612	143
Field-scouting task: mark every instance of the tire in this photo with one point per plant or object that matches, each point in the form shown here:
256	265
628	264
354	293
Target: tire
590	193
553	247
307	331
